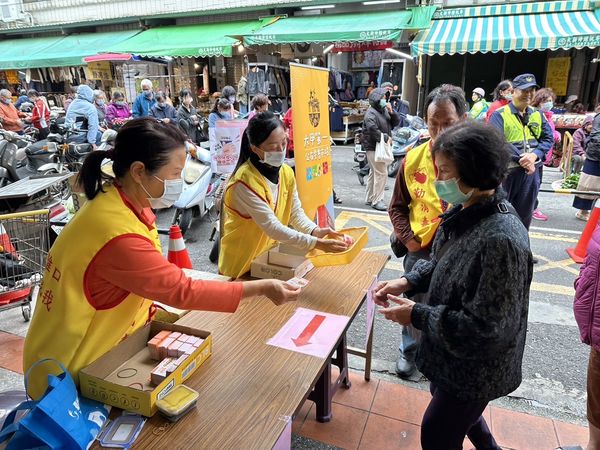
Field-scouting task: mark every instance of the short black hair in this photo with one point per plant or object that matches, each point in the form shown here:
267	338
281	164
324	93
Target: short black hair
479	152
448	93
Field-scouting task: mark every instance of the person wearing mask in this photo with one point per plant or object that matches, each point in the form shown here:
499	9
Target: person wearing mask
117	112
260	103
162	110
261	204
144	101
380	119
474	324
221	111
529	136
100	104
83	116
40	115
480	106
590	173
230	94
502	97
11	119
416	206
587	290
580	142
22	98
544	101
187	116
402	107
101	288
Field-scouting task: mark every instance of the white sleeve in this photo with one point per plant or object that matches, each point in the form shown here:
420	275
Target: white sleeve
298	220
249	204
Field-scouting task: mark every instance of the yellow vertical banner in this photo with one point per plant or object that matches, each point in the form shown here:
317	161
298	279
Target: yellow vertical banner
312	144
557	75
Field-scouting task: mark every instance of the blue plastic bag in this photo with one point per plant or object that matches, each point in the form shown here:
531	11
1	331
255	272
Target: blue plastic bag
59	420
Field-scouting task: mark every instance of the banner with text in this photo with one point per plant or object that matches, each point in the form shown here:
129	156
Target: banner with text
312	144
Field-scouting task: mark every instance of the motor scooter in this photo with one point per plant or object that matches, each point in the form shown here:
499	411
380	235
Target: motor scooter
404	139
199	185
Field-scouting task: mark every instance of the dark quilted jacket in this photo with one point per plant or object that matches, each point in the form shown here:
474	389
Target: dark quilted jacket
475	320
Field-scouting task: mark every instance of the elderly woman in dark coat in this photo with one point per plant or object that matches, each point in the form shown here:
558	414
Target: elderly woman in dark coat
475	319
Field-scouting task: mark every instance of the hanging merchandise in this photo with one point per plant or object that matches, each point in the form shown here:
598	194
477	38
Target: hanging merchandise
257	83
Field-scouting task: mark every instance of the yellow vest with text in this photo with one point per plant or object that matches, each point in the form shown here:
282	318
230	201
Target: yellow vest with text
516	133
65	326
425	205
243	240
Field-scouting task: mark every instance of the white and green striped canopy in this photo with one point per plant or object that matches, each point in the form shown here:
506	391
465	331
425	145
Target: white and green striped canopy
533	26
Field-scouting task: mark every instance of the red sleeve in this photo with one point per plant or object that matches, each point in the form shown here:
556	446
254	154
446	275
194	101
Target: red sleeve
131	263
35	114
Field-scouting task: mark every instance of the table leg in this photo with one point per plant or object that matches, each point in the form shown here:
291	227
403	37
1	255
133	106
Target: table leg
321	395
341	361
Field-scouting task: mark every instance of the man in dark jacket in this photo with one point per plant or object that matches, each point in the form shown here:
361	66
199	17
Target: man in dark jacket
187	116
162	110
380	119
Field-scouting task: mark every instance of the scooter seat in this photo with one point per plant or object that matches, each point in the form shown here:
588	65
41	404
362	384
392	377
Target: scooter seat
193	171
78	150
37	148
55	137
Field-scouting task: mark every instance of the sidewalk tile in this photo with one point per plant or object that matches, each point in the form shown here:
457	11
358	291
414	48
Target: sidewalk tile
384	433
571	435
344	430
400	402
301	416
11	352
522	431
361	393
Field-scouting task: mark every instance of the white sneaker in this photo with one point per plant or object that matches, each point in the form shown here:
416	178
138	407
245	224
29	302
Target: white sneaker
583	215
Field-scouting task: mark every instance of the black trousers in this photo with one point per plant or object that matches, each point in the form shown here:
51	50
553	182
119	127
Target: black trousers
447	420
522	191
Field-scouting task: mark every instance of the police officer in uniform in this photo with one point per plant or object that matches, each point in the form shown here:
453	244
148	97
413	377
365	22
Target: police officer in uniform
530	137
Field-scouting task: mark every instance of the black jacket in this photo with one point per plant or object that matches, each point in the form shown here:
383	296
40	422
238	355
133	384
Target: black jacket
475	321
592	151
377	120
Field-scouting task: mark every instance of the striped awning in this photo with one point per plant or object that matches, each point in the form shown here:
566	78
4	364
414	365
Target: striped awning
530	28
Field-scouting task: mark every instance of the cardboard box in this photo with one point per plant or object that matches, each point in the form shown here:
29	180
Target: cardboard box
261	268
169	314
280	258
291	250
103	380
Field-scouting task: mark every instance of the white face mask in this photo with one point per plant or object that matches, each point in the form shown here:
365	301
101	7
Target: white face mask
172	191
274	159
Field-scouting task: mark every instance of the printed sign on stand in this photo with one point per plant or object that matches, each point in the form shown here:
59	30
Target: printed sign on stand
371	307
225	143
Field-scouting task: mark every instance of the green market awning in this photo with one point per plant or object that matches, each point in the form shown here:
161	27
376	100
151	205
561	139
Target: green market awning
541	26
210	39
57	51
376	26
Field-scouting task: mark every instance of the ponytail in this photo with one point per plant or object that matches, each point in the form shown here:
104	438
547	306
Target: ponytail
90	177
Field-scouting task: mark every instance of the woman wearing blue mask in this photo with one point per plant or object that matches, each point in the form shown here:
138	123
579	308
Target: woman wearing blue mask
261	204
107	266
474	323
100	104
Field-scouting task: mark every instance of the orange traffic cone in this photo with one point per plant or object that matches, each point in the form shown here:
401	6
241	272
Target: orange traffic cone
178	254
578	253
5	244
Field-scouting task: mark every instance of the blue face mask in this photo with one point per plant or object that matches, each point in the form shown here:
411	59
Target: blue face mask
148	94
100	102
449	191
547	106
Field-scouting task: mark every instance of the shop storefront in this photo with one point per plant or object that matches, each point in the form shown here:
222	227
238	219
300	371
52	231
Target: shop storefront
480	46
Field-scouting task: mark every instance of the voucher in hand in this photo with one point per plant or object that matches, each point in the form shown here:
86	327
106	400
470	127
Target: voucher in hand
297	282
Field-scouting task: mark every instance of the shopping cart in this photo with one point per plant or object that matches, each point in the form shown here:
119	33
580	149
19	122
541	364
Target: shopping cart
24	243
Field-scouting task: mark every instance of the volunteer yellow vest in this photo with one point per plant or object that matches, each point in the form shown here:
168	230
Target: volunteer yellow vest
65	326
425	206
242	239
515	132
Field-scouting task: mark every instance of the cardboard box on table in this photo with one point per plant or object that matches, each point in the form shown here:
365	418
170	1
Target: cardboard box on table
286	266
100	380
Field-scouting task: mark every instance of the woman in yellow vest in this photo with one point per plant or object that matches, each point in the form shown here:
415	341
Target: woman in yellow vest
261	204
106	266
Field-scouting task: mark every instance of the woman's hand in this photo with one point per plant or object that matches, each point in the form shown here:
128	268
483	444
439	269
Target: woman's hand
401	313
331	245
393	287
279	292
322	232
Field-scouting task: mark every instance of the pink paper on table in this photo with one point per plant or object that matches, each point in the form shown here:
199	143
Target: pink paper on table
371	307
285	438
310	332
